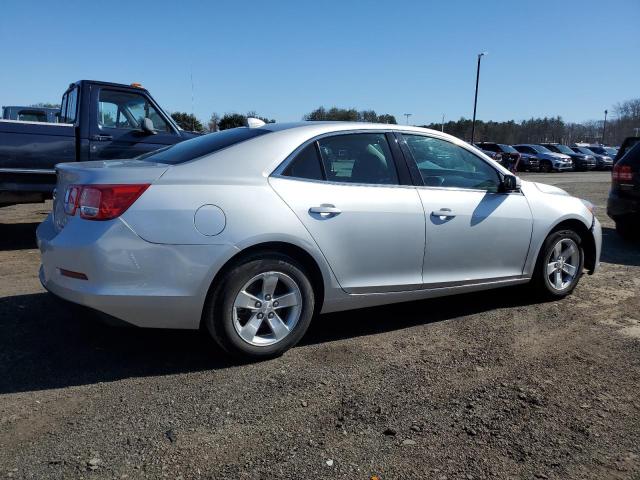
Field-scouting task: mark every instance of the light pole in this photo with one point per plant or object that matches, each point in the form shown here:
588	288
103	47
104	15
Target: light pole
408	115
442	125
475	101
604	127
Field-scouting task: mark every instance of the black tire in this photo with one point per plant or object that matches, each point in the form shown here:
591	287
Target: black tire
545	166
219	313
626	228
540	281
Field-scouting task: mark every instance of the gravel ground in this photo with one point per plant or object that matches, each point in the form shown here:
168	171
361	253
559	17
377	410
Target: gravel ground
488	385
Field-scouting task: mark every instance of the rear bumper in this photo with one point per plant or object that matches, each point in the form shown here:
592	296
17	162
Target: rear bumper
141	283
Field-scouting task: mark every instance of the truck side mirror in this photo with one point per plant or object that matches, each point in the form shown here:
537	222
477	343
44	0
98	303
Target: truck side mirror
147	126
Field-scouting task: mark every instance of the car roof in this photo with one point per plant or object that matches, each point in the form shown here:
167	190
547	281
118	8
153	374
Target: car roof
319	127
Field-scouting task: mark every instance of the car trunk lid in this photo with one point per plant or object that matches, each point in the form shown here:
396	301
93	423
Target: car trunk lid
110	172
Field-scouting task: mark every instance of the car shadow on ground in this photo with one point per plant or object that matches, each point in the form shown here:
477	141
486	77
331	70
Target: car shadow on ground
618	250
46	343
18	236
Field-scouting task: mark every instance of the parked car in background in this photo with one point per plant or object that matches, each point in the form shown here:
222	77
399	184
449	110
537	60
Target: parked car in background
623	205
97	121
250	231
494	155
627	144
31	114
581	161
549	161
603	162
510	158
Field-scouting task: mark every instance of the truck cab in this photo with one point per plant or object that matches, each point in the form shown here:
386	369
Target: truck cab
97	121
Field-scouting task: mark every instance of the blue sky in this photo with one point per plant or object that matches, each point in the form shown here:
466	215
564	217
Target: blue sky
284	58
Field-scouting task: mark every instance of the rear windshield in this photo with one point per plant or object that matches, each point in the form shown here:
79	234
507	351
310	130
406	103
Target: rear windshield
632	157
201	146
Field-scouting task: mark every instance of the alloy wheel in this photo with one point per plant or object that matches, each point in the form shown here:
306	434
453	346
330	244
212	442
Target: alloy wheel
267	308
563	263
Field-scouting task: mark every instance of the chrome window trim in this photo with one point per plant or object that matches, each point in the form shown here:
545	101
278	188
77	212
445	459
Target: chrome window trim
278	172
28	170
48	124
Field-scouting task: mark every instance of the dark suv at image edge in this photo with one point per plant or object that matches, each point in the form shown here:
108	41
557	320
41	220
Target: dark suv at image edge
623	205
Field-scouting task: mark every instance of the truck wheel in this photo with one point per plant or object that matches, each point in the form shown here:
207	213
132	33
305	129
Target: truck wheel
261	307
559	266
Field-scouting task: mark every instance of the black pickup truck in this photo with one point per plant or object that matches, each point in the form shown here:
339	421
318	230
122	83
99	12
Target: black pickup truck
97	121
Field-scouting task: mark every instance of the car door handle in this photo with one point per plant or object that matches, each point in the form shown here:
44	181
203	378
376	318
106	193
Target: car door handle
443	212
326	210
102	138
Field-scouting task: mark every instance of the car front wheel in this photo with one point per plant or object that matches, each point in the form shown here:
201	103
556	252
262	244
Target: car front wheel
545	166
559	265
261	307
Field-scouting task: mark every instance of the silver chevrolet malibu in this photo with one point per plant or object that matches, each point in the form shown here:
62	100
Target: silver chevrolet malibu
251	232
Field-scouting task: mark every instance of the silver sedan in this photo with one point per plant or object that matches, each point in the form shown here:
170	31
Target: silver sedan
252	232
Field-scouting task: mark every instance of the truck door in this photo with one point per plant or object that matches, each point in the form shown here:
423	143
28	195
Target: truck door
116	121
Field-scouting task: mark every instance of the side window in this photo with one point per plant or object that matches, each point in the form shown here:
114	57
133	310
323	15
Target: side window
444	164
306	164
69	106
127	110
32	116
358	158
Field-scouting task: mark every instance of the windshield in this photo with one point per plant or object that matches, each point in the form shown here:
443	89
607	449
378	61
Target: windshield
585	150
611	151
541	149
200	146
508	148
564	149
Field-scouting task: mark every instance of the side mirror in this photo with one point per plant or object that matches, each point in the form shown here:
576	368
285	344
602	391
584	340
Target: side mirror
510	183
147	126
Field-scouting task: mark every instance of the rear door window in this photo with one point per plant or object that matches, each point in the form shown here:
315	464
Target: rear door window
306	164
358	158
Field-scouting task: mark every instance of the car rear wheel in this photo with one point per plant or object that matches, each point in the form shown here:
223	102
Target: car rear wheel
261	307
559	265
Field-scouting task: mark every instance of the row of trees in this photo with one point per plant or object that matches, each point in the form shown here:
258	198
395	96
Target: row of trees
231	120
349	115
188	121
625	123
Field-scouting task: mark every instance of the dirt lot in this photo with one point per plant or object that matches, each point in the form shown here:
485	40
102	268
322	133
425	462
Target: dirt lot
488	385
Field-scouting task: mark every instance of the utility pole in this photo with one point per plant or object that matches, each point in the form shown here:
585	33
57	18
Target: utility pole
604	126
475	101
408	115
442	127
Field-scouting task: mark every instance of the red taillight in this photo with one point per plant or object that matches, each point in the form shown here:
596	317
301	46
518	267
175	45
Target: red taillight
622	173
101	202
